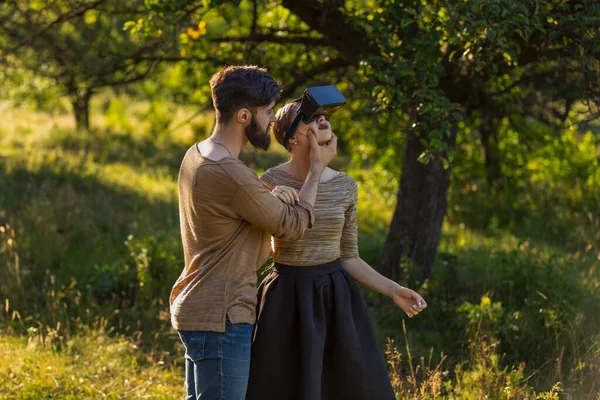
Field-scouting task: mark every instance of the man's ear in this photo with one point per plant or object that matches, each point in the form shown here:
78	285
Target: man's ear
243	116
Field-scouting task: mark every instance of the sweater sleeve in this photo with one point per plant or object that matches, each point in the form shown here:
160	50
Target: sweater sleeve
254	203
349	240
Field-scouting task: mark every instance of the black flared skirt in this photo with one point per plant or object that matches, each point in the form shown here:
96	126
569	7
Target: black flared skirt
313	339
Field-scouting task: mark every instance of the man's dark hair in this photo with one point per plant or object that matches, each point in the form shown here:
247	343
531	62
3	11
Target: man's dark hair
236	87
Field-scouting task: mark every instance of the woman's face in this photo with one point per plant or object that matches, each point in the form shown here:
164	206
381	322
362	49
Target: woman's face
321	128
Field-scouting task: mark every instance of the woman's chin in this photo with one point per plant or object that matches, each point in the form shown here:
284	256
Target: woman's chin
324	138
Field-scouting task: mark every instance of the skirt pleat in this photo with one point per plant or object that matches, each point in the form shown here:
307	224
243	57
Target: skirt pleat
313	339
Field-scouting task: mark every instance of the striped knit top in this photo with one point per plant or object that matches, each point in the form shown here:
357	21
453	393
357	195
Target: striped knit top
334	232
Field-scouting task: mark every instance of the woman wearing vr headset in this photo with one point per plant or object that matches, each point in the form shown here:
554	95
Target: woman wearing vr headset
313	338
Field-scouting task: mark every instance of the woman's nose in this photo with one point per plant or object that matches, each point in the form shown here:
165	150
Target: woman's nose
321	118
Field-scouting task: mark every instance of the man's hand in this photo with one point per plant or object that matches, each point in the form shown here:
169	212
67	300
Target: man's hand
320	156
286	194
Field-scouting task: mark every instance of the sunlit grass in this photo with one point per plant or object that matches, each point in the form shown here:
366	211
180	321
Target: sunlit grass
93	366
153	184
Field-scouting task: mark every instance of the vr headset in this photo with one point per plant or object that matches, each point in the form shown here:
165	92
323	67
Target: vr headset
316	101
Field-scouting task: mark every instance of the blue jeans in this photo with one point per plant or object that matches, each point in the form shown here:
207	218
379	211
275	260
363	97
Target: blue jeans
217	364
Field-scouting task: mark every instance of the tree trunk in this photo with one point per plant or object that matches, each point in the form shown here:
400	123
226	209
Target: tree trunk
489	140
81	108
416	227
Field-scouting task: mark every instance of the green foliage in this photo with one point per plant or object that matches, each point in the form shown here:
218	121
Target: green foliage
116	118
73	48
25	88
549	184
210	34
492	50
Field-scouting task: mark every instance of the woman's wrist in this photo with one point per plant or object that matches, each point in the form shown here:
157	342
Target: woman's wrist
395	289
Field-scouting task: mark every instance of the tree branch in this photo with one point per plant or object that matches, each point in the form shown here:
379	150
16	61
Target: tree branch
133	79
349	39
300	79
254	17
60	19
176	59
258	38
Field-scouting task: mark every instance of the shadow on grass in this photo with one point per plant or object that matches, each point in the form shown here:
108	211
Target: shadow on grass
85	252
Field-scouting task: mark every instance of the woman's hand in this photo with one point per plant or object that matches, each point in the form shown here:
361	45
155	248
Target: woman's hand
286	194
410	301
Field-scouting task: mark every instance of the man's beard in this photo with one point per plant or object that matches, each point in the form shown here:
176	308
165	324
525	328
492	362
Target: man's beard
259	139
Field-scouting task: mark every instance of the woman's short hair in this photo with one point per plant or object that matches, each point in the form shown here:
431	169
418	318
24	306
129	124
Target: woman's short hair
283	119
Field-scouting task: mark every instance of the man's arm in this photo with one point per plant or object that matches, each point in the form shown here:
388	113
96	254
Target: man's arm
320	156
259	207
255	204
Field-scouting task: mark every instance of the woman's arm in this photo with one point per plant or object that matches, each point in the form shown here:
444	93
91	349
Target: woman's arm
364	274
409	300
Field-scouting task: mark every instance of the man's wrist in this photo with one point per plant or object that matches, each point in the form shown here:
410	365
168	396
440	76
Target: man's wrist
316	170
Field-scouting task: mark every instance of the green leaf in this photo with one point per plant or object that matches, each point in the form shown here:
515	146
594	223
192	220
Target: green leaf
457	116
554	35
37	5
376	90
494	69
424	158
510	55
436	133
445	162
129	25
90	17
